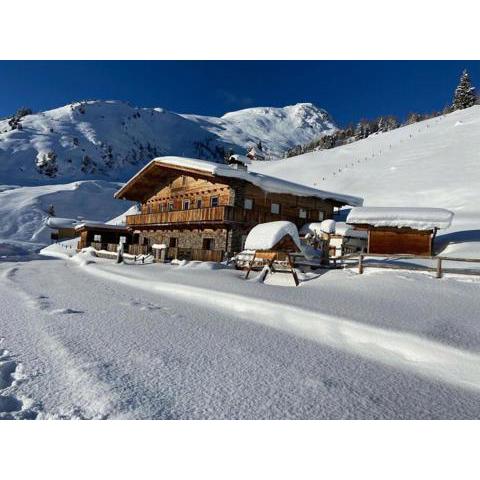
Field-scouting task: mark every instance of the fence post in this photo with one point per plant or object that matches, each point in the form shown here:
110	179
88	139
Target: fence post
360	264
439	267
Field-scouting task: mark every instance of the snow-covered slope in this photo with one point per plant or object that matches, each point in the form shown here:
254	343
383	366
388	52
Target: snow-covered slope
23	211
112	140
434	163
279	129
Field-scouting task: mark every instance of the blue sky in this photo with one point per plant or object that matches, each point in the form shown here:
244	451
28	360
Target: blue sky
349	90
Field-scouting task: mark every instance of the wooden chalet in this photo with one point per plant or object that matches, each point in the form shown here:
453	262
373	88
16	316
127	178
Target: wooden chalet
203	210
394	230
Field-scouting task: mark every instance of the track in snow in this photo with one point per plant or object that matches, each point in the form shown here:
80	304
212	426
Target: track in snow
133	353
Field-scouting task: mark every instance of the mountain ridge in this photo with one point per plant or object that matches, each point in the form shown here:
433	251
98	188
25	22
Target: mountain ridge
111	140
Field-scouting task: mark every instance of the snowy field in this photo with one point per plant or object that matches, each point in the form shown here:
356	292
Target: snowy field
93	339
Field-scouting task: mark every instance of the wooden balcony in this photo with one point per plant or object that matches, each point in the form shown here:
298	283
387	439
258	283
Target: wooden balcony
213	215
195	215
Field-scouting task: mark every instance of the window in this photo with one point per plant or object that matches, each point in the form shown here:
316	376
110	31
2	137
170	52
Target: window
321	215
186	204
198	203
97	238
302	213
170	206
208	244
248	204
214	201
173	242
275	208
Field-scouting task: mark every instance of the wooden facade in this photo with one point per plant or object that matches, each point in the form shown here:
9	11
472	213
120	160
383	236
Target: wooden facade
61	234
393	240
202	215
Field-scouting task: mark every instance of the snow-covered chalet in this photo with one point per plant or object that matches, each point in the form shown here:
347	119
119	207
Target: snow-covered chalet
201	210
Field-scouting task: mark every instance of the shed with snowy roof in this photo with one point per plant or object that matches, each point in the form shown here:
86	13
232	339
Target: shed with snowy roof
102	236
396	230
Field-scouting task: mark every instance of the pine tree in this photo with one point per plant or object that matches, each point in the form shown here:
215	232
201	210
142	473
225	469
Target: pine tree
464	94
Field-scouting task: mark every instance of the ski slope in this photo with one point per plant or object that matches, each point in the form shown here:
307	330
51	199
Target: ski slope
433	163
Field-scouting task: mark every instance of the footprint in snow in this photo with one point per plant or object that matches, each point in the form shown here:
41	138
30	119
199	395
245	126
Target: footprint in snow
147	306
11	374
40	303
66	311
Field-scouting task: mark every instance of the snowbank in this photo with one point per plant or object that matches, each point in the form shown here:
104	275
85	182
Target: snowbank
266	235
416	218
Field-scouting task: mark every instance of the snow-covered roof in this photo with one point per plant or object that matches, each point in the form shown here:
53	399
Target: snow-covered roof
265	236
332	227
316	228
265	182
100	225
416	218
58	222
342	229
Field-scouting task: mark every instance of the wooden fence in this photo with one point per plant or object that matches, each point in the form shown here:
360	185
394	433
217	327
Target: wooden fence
439	263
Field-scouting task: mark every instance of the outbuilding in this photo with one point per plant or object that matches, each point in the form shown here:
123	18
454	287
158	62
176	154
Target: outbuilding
102	236
395	230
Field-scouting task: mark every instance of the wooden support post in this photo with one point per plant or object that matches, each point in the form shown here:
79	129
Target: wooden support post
439	267
250	265
265	273
360	264
294	273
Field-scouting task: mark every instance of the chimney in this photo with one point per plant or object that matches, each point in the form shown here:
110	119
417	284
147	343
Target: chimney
238	162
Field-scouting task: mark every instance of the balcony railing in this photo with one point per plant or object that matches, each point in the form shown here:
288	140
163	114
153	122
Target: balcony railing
220	214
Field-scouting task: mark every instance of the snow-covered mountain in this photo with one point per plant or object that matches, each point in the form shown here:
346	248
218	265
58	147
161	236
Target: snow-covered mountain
279	129
112	140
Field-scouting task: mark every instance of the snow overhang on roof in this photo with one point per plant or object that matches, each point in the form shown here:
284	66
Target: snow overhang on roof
202	167
58	222
401	217
100	226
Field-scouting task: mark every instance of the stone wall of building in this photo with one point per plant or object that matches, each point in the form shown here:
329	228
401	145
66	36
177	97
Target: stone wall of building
186	238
